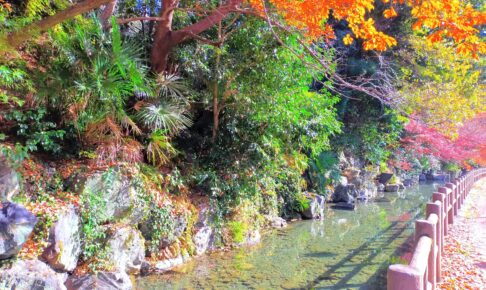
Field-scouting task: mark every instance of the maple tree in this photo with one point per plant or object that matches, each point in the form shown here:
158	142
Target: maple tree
453	20
470	143
441	87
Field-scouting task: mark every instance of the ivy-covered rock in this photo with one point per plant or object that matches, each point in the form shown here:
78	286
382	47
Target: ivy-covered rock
125	249
9	181
100	281
113	196
16	224
64	241
31	274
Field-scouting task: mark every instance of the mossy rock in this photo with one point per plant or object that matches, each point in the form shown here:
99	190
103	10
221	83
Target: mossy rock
113	196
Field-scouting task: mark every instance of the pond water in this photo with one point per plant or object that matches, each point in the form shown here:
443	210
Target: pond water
346	250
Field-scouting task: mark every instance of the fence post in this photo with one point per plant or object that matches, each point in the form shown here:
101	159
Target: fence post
436	208
428	228
403	277
437	196
452	187
450	204
458	193
424	270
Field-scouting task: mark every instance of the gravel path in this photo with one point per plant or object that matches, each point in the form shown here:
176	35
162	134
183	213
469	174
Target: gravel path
464	262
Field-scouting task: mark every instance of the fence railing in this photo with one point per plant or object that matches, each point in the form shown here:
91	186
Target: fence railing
424	270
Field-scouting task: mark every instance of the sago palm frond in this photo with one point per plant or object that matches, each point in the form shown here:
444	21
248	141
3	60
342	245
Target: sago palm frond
159	149
164	116
171	86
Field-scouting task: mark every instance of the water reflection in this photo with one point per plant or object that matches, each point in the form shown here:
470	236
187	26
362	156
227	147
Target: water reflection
345	250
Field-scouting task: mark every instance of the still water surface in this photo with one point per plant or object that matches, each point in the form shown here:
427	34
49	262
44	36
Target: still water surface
347	250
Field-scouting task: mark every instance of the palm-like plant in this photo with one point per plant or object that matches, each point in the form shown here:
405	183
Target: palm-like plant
109	73
159	148
164	116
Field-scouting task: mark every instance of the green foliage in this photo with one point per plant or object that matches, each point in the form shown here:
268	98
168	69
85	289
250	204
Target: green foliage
452	167
371	131
160	225
38	132
271	122
164	117
13	80
238	231
15	155
159	149
324	170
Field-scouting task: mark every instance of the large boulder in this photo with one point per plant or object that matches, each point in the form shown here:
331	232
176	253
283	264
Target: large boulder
167	264
275	221
16	224
353	176
392	187
384	178
31	274
344	193
64	247
100	281
113	196
315	210
125	249
9	181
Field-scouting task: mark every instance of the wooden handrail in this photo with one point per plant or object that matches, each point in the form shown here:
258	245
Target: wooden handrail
424	270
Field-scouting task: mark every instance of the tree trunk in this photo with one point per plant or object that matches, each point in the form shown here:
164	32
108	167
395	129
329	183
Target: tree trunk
216	111
16	38
166	39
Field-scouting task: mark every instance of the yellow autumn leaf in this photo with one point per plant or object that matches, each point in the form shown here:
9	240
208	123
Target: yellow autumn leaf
348	39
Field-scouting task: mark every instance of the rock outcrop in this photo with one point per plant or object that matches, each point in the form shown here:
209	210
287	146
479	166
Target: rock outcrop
316	206
275	221
64	246
16	224
31	274
114	197
125	249
344	193
204	233
100	281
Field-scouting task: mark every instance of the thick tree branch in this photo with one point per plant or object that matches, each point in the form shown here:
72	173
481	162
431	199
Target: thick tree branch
107	13
132	19
16	38
166	39
210	21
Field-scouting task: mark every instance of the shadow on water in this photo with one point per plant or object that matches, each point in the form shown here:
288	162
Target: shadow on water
320	255
381	239
346	250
